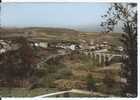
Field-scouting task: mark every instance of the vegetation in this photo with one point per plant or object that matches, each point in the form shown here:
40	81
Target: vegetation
127	15
88	63
60	75
91	84
18	67
25	92
108	79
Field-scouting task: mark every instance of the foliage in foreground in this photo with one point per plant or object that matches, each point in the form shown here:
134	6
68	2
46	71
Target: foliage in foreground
126	14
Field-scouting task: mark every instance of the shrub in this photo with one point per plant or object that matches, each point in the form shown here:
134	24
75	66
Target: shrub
63	73
108	79
53	68
66	84
91	84
48	81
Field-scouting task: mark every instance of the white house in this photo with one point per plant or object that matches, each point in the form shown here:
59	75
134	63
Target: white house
72	47
43	44
2	50
120	48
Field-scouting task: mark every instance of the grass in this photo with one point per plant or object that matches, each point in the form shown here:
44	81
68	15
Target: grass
88	62
24	92
115	90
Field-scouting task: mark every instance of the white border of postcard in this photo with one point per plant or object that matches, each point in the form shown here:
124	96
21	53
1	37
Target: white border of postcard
85	98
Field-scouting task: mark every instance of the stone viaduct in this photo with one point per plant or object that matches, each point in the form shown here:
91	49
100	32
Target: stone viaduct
103	58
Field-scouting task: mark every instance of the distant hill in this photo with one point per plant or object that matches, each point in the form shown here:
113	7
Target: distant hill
99	37
38	29
52	30
95	28
40	33
49	34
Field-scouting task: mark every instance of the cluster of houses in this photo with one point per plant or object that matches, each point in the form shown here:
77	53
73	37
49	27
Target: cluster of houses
95	46
99	46
3	46
58	45
67	45
7	46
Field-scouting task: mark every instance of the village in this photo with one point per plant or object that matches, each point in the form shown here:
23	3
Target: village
100	50
67	45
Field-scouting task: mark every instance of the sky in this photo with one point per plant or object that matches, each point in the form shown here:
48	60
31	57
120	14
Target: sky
80	16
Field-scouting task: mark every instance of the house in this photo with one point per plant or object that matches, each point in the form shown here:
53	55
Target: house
120	48
2	50
91	42
41	44
92	47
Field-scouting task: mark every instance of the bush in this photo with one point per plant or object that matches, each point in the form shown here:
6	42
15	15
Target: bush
91	84
66	84
54	72
63	73
53	68
89	62
108	79
48	81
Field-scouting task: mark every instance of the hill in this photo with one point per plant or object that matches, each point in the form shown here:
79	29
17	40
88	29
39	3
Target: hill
48	33
40	33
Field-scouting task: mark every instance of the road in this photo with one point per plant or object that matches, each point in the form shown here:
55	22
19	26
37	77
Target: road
50	57
75	91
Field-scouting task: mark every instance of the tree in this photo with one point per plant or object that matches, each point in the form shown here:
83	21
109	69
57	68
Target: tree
18	64
27	56
125	14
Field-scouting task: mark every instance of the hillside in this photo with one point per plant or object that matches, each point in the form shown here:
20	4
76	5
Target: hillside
6	31
40	33
71	69
47	34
